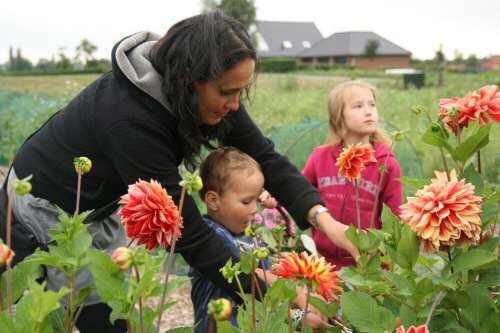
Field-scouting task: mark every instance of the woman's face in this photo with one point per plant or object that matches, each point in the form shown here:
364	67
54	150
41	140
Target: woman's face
218	97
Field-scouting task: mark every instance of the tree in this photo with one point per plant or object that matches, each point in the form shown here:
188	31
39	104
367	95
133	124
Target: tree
472	62
85	52
440	61
242	10
371	48
63	63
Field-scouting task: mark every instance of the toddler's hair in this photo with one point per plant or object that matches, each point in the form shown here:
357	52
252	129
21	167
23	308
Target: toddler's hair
336	105
217	168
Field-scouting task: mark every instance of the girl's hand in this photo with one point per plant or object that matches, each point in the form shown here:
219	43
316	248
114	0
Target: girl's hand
333	229
267	200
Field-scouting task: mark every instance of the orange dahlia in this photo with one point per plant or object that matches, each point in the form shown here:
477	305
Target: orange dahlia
481	105
353	159
446	212
413	329
149	214
312	270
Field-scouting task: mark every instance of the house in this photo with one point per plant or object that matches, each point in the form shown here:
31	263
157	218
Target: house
492	63
303	41
350	48
285	39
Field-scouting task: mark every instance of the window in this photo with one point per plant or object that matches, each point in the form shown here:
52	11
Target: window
340	60
324	60
286	44
307	60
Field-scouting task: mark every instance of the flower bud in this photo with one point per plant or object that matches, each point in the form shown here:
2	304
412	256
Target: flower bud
220	309
250	231
22	186
435	127
82	164
452	112
6	254
191	181
398	136
417	109
122	257
261	253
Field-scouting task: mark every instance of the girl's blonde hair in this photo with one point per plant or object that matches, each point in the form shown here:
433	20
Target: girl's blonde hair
336	105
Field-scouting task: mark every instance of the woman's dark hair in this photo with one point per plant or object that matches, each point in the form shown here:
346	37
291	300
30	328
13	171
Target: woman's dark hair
199	48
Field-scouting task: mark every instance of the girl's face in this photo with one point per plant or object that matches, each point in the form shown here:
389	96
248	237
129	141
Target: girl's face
217	98
360	113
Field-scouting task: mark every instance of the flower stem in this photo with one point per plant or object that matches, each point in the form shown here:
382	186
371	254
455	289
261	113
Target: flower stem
358	213
450	259
71	296
138	278
303	324
478	154
78	189
290	327
439	297
252	280
381	178
169	262
9	245
443	157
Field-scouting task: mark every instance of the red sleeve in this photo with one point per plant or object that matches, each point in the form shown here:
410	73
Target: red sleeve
309	170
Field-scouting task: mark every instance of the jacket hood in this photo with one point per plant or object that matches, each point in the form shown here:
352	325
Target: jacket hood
131	56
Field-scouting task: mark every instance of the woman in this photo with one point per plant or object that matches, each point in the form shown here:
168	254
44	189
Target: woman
164	99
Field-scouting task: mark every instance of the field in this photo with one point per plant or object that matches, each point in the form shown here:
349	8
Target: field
290	108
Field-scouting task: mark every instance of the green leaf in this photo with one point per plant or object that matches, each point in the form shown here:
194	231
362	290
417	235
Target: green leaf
437	139
22	273
391	223
472	144
268	238
327	309
407	249
489	214
472	259
246	259
416	183
407	315
480	310
473	177
403	286
365	314
226	327
280	291
181	330
37	304
110	283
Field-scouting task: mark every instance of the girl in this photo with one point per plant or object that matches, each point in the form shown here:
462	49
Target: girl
353	118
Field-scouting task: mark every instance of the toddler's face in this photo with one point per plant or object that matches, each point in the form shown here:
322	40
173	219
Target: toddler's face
237	205
360	111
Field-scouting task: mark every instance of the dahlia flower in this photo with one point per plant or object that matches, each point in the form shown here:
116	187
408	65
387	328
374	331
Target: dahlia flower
6	254
482	106
413	329
353	159
444	213
312	270
149	215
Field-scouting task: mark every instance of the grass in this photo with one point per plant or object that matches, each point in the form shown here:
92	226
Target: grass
283	106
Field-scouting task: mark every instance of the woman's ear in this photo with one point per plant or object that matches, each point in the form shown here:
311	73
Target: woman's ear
212	200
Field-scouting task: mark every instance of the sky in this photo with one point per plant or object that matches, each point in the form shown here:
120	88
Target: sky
41	28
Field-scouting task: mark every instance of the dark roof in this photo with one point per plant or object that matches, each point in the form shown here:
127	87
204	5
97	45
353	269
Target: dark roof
352	43
275	34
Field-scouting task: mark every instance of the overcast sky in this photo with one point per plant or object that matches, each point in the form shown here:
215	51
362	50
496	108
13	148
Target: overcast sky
40	28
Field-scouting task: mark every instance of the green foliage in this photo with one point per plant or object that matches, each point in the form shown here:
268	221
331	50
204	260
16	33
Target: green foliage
276	65
365	314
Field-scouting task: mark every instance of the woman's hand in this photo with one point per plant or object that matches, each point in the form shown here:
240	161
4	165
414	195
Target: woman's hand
267	200
333	229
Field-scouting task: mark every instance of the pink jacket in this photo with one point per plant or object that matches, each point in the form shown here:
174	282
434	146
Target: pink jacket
339	194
